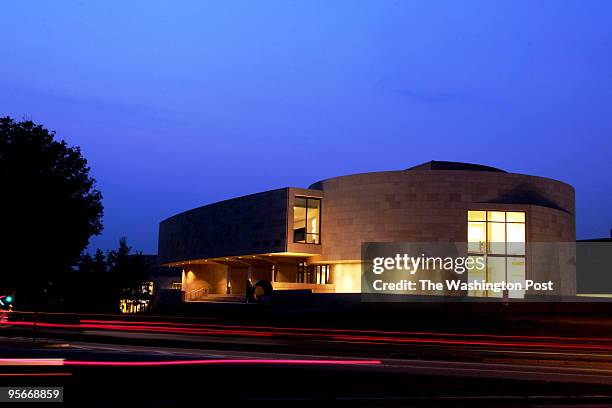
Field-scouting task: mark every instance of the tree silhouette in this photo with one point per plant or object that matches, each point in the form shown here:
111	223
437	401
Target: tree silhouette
49	207
86	263
118	260
99	261
129	270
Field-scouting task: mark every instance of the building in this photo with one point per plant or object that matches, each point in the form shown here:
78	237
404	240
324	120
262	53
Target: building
310	238
594	260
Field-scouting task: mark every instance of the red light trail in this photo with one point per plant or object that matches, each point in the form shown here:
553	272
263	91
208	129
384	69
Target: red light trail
224	361
221	362
348	331
354	336
35	374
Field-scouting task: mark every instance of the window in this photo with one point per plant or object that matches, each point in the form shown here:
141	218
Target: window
307	220
303	273
321	274
134	306
176	285
499	236
318	274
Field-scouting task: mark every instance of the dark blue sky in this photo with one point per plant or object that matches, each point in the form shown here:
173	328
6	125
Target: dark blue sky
179	104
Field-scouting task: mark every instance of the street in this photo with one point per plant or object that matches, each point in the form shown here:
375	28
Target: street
215	361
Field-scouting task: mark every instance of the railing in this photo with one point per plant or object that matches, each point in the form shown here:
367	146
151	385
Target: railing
315	287
196	294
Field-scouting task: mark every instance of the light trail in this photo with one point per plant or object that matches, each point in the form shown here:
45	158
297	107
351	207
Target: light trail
142	328
379	339
239	361
354	336
91	323
35	374
222	362
387	340
31	361
349	331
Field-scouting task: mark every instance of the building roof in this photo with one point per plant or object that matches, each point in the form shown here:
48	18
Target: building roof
449	165
427	166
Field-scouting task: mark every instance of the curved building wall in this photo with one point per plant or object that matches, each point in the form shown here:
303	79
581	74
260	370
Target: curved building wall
431	206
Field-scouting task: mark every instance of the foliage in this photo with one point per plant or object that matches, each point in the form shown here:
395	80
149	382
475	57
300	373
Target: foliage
127	272
49	208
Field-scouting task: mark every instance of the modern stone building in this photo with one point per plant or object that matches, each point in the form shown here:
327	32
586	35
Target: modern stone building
311	238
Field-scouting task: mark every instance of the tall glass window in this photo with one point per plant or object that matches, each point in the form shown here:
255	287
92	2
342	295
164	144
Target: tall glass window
312	273
321	274
303	273
499	237
307	220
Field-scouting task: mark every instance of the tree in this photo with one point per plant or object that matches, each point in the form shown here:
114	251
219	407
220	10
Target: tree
118	275
99	261
86	263
129	270
49	207
118	260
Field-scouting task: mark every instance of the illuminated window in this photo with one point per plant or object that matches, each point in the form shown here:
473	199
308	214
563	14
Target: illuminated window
312	273
303	273
515	217
499	237
133	306
515	238
477	237
477	215
515	267
479	275
496	216
496	273
176	285
307	220
321	274
496	238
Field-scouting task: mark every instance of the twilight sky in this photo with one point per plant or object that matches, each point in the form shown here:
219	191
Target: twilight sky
179	104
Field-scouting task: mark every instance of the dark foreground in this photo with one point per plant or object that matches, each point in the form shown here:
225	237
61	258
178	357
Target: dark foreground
254	357
255	385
